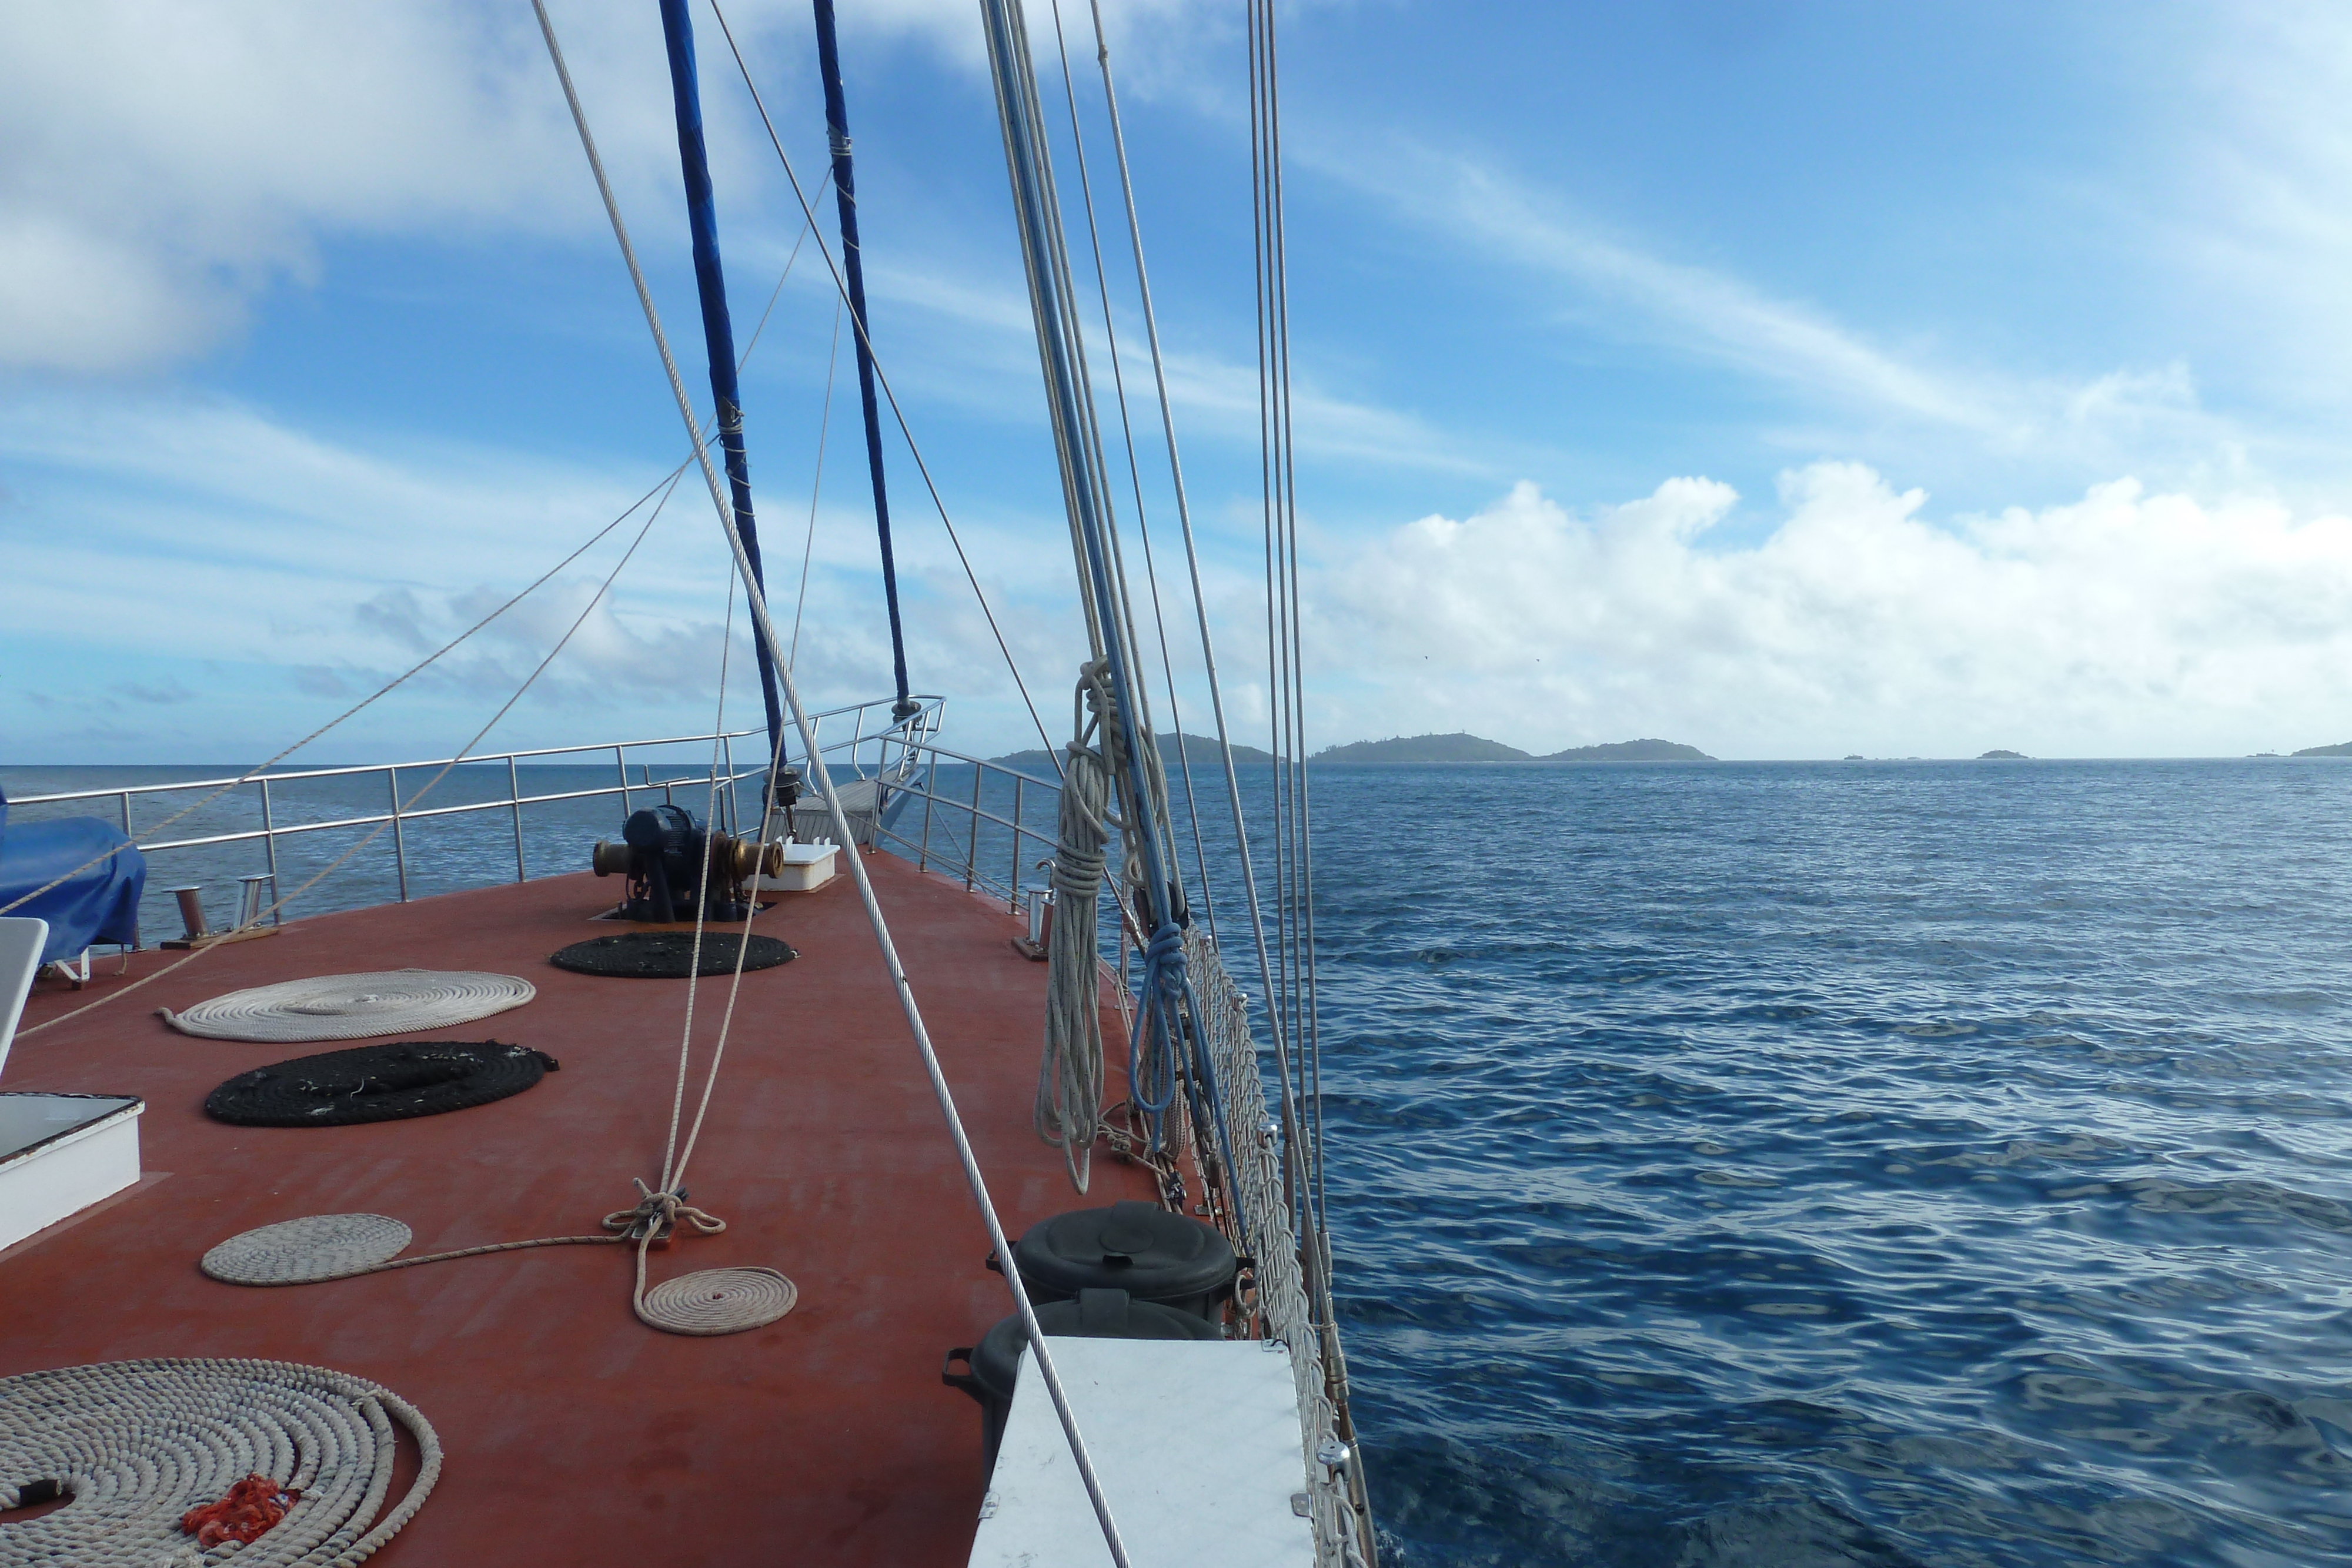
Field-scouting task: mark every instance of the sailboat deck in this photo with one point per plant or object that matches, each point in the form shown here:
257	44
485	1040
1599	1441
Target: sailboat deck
572	1433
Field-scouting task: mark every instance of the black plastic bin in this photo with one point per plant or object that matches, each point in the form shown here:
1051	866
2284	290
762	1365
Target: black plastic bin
1132	1246
996	1362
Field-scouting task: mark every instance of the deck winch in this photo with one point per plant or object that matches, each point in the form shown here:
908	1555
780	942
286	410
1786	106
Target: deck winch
663	850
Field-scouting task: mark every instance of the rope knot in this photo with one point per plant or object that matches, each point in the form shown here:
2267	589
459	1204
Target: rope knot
1163	956
661	1214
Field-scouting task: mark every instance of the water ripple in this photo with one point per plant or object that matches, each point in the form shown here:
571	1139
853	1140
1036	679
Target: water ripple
1869	1165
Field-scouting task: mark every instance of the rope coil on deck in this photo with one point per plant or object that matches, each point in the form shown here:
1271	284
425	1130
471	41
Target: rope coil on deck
712	1301
135	1444
352	1006
706	1302
671	955
378	1084
304	1251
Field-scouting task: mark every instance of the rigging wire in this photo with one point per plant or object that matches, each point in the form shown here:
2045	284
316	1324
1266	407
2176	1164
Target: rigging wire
1274	1001
377	833
816	486
670	479
890	395
1292	846
1304	840
777	292
1135	475
674	1161
384	690
670	1174
1295	856
942	1092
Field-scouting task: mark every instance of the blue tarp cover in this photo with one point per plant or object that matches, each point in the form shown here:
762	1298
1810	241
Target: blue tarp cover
99	905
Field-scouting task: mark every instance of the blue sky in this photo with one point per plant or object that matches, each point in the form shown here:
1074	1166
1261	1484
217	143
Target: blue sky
1792	379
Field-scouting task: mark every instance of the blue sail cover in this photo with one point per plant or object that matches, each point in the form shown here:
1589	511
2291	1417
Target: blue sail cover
89	907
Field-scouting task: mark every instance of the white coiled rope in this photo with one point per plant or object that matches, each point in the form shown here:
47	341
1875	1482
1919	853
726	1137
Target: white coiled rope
304	1251
353	1007
137	1444
707	1301
1068	1111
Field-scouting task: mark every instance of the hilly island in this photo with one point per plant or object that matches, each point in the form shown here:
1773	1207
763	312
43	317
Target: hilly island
1456	747
1461	747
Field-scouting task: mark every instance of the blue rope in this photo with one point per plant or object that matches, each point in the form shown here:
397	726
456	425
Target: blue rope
1164	986
1167	999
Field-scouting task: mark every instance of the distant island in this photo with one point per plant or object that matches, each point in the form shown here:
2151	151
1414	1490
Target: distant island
2343	750
1202	748
1630	751
1454	748
1459	747
2002	757
1464	747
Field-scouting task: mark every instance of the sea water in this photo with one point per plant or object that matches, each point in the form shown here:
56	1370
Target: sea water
1770	1164
1782	1165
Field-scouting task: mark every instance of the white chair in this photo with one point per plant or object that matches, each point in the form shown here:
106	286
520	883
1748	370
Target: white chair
20	960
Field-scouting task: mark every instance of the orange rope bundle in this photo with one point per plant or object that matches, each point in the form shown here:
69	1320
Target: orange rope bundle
250	1509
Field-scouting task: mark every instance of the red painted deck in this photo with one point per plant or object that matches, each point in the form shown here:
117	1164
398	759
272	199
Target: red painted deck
575	1434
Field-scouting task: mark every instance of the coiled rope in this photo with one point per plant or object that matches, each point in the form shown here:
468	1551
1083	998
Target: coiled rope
707	1301
1068	1113
1070	1076
352	1006
138	1444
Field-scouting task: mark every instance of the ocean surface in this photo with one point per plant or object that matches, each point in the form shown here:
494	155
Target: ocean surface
1779	1165
1795	1165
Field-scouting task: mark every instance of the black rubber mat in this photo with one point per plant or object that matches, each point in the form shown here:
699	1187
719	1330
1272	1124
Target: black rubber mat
667	954
377	1084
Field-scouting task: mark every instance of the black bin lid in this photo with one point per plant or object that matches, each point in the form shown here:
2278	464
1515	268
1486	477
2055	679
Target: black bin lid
1096	1314
1136	1247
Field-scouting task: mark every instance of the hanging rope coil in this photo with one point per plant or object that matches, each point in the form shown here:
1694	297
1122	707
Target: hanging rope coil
1070	1078
137	1445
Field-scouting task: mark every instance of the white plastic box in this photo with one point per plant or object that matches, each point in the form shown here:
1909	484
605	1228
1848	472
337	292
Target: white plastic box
58	1153
1196	1444
806	868
61	1153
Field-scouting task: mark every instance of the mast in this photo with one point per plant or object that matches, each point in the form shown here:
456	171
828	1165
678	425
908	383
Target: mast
844	190
719	332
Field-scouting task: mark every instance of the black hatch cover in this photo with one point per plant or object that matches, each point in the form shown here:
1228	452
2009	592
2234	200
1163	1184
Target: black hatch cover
1136	1247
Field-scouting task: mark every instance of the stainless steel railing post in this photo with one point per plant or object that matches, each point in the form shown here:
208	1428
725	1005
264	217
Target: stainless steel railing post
270	844
923	850
514	795
971	843
1013	887
399	833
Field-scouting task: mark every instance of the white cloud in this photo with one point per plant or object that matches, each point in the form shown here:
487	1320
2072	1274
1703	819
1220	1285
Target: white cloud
171	530
1214	397
162	162
1863	389
2125	623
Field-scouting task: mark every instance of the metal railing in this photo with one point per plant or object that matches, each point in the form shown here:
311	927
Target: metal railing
1009	826
880	746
